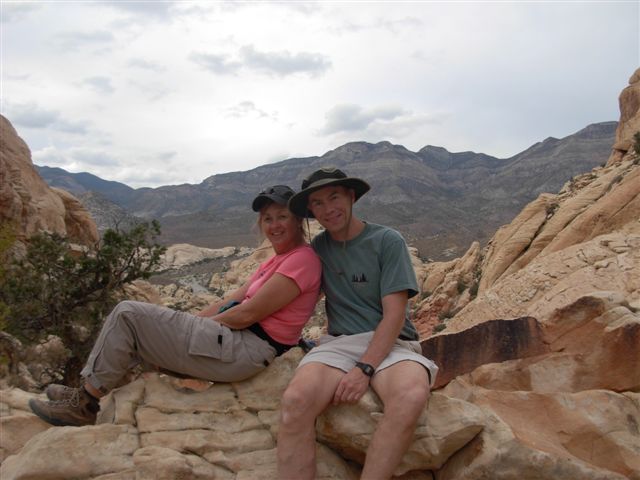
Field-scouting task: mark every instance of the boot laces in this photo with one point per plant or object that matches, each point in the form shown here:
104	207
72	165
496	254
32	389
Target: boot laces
72	401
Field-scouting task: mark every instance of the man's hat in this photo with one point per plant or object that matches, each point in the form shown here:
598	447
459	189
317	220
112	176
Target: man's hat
278	194
324	177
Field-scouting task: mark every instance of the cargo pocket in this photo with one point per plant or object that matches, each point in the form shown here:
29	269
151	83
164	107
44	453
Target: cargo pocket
210	339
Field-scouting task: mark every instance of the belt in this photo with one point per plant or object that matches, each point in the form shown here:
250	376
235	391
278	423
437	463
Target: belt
407	338
259	332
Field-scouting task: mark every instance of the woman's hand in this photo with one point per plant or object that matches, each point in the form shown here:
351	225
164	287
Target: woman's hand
276	293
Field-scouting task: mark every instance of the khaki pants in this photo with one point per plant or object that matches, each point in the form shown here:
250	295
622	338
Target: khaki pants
136	332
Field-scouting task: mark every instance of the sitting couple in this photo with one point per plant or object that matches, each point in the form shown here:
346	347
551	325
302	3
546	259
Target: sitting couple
367	278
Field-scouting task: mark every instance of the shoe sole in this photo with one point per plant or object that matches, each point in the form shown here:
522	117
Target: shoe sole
50	420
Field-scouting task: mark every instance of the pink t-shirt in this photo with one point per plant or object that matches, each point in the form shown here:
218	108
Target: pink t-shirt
302	266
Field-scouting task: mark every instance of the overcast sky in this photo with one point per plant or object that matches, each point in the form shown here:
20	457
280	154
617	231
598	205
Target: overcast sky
158	93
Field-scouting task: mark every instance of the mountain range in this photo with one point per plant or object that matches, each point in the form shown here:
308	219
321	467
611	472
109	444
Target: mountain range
441	201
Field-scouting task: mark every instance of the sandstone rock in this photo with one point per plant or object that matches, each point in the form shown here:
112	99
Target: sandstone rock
560	278
17	426
446	289
79	224
629	114
348	429
142	291
70	452
182	254
27	203
488	342
157	463
591	344
159	426
586	435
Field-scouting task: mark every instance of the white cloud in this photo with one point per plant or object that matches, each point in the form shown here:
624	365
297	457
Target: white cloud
30	115
14	12
354	118
99	84
216	63
146	65
282	63
275	63
76	40
248	108
143	9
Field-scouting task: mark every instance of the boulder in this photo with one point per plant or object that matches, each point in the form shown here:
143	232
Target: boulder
182	254
590	435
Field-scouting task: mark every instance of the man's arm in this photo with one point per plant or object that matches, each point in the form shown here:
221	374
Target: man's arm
354	384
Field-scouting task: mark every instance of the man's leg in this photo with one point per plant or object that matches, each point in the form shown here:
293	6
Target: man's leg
308	394
404	390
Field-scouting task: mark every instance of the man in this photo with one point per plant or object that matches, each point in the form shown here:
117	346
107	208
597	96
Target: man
367	279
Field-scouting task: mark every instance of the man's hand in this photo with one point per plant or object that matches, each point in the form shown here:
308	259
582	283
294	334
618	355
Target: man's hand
352	387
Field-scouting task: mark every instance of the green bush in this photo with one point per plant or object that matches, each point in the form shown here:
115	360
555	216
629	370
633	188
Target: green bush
439	327
64	291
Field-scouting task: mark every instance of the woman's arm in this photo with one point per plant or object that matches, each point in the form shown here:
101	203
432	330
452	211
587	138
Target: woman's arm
237	295
274	294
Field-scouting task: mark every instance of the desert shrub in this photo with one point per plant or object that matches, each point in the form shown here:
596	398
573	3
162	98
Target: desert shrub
66	291
439	327
473	290
7	238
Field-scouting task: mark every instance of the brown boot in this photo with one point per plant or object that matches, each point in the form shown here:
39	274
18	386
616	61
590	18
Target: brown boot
55	391
77	410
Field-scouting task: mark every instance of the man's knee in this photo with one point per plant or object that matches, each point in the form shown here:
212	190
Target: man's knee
409	402
296	405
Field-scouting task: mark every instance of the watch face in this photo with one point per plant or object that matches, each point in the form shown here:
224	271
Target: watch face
366	368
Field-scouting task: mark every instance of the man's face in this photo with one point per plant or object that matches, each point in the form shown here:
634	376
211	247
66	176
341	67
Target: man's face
332	207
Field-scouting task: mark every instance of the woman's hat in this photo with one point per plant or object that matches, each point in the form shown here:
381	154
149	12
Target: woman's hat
324	177
278	194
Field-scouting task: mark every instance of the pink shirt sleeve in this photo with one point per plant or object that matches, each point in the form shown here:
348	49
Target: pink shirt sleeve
302	268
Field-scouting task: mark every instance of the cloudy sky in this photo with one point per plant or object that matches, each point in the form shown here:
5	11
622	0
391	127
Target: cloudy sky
155	93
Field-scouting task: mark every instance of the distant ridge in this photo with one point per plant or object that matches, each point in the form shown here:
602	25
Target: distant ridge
441	201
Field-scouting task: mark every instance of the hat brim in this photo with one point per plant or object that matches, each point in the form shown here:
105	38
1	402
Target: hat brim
263	199
298	203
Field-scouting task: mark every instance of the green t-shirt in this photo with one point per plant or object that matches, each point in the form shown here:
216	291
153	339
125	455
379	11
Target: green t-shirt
357	275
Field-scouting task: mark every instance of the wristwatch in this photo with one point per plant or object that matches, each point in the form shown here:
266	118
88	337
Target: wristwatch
367	369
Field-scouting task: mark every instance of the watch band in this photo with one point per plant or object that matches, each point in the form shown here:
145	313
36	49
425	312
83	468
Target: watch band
367	369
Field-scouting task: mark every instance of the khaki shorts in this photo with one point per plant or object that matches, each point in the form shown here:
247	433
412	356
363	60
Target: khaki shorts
345	350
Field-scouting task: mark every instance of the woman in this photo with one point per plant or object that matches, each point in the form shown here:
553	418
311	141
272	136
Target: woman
218	344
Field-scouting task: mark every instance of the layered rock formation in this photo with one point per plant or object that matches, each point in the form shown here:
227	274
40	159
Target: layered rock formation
28	205
159	427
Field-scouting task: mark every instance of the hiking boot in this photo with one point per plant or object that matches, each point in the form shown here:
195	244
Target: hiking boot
77	410
59	392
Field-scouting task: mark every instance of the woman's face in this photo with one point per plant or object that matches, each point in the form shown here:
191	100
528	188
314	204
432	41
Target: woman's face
281	227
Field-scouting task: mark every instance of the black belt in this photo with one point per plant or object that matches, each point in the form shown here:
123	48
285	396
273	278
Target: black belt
407	338
259	331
